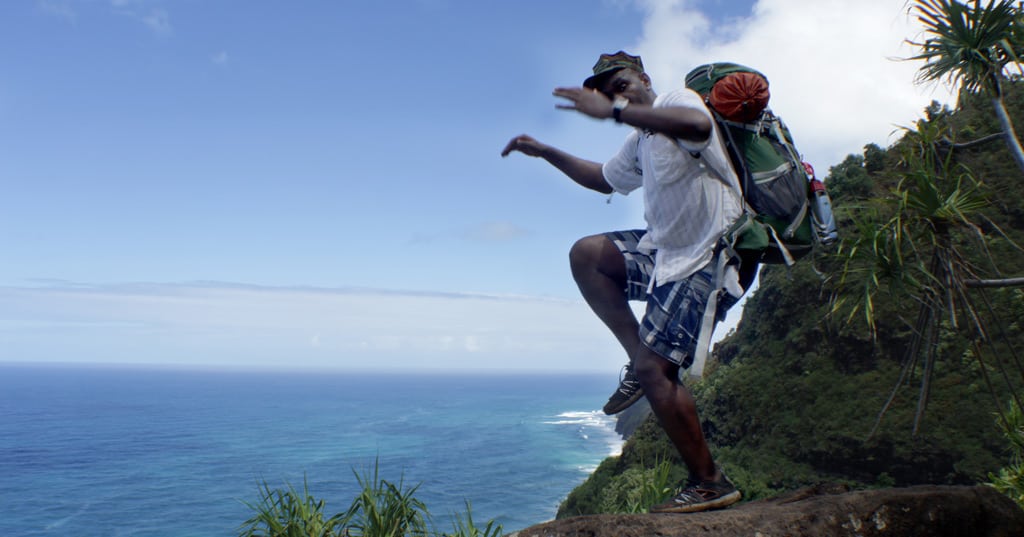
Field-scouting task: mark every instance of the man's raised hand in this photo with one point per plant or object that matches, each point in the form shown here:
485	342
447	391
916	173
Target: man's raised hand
585	101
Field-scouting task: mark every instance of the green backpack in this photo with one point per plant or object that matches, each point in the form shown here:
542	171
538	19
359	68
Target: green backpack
777	226
779	223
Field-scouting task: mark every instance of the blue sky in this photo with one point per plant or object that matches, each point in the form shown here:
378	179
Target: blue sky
318	184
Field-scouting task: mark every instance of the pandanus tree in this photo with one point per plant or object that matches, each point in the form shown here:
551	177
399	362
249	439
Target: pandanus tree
975	46
928	239
924	242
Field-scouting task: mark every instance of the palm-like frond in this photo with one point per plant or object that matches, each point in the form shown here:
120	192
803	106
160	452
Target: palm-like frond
290	513
968	43
934	196
467	527
385	509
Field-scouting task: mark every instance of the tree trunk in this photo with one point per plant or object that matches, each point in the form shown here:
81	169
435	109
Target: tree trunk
1005	282
1009	134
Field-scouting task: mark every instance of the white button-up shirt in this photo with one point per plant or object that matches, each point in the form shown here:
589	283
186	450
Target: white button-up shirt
689	202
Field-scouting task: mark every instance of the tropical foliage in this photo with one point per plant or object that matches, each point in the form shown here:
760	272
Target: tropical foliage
915	242
381	509
289	513
972	45
1010	479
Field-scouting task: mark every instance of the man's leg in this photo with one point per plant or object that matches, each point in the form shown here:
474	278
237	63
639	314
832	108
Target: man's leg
707	487
669	331
600	270
676	412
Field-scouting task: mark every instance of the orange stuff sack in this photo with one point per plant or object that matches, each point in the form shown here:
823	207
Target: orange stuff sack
740	96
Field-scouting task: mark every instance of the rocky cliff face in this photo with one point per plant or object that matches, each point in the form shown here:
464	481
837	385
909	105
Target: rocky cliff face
825	510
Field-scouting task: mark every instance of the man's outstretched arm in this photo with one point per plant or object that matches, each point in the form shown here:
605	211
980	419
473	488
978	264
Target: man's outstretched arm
587	173
674	121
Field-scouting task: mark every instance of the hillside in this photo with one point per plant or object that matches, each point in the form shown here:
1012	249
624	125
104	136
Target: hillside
794	392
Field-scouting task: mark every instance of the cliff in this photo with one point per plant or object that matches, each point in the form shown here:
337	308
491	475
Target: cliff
935	511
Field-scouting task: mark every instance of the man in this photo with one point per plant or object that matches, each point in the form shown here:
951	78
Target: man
691	197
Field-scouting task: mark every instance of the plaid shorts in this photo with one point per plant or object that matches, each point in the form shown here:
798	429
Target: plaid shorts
671	323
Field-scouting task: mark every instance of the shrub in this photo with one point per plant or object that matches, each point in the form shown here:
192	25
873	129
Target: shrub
1010	479
287	513
381	509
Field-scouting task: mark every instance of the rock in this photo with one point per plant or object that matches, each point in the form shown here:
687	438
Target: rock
825	510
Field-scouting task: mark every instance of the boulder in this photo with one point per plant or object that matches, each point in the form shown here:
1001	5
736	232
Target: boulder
932	510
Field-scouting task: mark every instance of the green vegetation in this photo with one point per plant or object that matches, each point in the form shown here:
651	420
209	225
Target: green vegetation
287	513
1010	479
384	509
926	240
971	45
381	509
465	527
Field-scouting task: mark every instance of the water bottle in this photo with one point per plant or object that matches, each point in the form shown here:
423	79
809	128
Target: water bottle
822	218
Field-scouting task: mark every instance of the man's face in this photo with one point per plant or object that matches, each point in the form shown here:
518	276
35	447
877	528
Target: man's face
630	84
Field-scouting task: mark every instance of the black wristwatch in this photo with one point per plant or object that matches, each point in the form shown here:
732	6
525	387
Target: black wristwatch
618	106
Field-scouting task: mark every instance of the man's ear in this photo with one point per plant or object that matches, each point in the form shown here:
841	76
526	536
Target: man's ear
646	80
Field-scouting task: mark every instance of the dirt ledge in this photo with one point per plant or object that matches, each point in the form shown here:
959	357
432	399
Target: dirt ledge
935	511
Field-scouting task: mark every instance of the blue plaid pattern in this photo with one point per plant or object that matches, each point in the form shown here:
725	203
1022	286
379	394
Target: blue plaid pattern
671	322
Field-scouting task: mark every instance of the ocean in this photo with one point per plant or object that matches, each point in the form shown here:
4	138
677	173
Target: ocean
165	452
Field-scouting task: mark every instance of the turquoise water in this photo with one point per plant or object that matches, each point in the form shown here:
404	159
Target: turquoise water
164	452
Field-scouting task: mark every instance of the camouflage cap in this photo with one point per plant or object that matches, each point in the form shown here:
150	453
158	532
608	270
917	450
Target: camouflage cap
610	63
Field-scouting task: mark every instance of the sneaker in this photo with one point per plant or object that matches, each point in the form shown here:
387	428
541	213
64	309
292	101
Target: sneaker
628	392
701	496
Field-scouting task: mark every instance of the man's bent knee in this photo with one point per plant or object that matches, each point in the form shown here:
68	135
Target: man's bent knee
586	251
597	253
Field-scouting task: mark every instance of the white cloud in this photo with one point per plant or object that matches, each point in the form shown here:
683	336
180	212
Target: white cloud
834	66
496	232
157	20
219	58
222	324
493	231
57	8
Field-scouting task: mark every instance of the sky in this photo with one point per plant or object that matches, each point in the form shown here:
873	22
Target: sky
318	184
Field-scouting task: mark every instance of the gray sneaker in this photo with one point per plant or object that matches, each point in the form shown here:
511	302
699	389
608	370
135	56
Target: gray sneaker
628	392
701	496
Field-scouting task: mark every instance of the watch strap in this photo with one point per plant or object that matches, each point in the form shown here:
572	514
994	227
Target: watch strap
618	106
